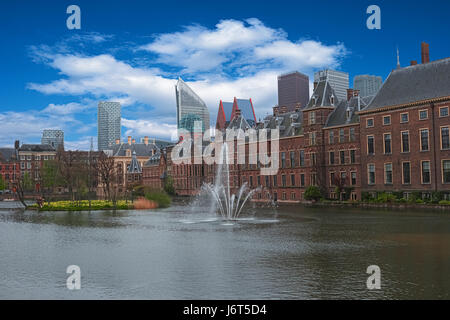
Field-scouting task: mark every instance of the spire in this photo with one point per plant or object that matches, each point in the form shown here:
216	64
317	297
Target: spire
398	59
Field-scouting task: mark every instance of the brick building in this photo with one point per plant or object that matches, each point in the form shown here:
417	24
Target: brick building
9	166
397	141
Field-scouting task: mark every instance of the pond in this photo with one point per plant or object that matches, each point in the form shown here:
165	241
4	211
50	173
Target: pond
185	253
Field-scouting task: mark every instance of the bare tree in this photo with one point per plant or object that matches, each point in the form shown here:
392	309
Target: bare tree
105	168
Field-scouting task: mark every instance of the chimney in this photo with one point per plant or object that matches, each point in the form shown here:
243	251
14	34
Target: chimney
117	141
355	92
349	94
133	141
298	106
129	139
283	109
146	140
276	109
413	62
17	144
425	52
315	85
237	113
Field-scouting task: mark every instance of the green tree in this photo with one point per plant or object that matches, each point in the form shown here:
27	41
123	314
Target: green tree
168	186
2	183
313	193
50	177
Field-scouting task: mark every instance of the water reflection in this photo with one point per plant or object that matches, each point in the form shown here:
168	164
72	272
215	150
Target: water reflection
176	253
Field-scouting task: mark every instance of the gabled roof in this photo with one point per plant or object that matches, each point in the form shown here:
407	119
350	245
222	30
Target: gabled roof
141	149
36	147
289	123
227	110
321	96
135	166
7	154
239	122
414	83
339	115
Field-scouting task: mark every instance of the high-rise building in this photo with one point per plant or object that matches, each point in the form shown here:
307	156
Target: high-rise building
367	85
54	138
108	124
293	89
337	79
190	108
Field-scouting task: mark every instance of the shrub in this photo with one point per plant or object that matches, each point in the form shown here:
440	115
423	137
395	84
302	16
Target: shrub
313	193
420	201
160	197
444	202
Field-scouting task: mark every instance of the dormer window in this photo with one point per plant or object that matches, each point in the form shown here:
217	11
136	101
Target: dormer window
348	113
314	100
332	100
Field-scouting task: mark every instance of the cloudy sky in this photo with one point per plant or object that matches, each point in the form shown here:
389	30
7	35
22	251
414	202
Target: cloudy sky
133	52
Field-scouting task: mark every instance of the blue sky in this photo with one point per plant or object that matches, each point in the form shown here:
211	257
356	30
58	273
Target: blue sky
133	51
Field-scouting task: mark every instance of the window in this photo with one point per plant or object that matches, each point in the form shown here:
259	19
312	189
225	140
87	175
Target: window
370	145
426	172
331	137
445	141
388	173
405	141
292	156
302	158
406	172
446	171
344	177
283	180
332	178
292	195
341	135
386	120
369	123
302	180
371	173
283	159
342	157
443	112
404	117
312	138
423	114
313	179
352	134
353	178
275	181
22	165
331	157
293	180
312	117
387	143
267	181
313	159
424	140
352	156
251	181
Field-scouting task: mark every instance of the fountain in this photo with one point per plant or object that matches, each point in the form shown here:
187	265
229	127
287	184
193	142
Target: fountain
229	205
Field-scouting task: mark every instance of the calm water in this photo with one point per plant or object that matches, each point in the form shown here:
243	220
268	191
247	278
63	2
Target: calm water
288	253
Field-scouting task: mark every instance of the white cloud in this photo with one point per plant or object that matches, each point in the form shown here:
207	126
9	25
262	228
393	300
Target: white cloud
235	58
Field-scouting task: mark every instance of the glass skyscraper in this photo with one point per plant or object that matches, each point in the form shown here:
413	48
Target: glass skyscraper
54	138
367	85
190	108
108	124
337	79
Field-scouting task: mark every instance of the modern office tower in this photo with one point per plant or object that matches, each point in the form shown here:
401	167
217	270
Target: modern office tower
337	79
108	124
54	138
293	89
367	85
190	108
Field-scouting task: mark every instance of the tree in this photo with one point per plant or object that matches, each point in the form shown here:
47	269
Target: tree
2	183
168	185
50	178
313	193
68	161
105	169
340	183
22	185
